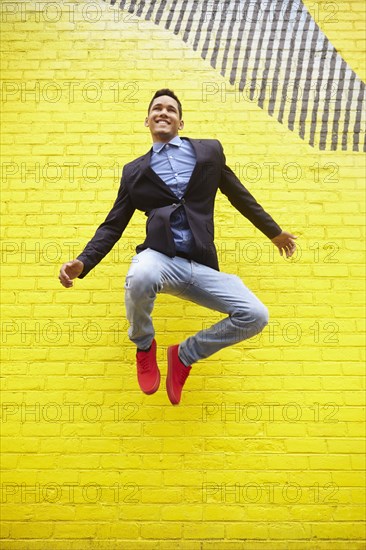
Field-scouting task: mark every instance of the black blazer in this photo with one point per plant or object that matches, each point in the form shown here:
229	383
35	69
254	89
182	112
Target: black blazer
142	189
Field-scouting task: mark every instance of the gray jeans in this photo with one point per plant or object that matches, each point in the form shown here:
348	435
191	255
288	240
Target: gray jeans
151	273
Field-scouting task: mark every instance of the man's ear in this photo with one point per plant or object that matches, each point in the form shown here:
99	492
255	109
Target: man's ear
181	125
146	122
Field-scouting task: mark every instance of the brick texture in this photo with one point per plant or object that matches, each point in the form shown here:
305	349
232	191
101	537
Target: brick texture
266	450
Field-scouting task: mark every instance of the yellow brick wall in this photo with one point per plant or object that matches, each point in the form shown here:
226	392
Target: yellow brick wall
266	450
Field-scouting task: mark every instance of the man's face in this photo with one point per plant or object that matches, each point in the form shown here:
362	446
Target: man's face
163	119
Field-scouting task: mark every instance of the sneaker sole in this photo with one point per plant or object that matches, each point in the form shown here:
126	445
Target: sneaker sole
169	389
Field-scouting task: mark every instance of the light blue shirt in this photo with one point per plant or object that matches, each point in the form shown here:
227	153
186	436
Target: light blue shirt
174	162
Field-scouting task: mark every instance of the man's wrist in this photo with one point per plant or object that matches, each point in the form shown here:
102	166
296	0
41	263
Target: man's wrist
86	268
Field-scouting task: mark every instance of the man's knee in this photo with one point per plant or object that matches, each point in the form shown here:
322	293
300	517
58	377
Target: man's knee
261	315
252	321
143	281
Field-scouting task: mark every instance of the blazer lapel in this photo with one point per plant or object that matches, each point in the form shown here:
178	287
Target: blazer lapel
199	149
147	171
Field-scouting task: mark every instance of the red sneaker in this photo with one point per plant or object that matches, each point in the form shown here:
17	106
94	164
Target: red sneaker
177	375
148	374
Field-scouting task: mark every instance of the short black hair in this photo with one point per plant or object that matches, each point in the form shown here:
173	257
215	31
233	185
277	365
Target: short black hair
170	93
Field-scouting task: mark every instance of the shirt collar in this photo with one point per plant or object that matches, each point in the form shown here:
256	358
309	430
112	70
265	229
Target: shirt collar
158	146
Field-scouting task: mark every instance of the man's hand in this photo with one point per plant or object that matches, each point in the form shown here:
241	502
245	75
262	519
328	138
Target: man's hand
69	271
285	243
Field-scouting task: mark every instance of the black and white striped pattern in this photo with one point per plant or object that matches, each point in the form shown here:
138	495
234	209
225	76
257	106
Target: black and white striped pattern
274	52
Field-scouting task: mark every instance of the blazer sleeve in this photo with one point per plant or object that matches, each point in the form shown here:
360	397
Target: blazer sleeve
110	231
245	203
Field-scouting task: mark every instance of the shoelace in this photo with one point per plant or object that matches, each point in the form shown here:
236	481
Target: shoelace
144	364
